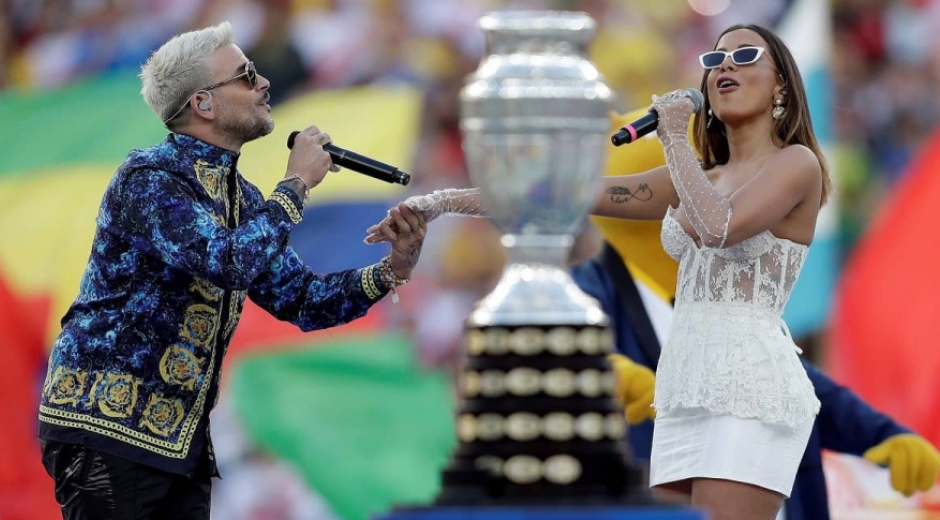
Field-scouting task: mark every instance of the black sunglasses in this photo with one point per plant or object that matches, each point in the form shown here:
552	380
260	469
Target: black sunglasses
250	73
742	56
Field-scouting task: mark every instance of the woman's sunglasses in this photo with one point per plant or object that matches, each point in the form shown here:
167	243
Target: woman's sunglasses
742	56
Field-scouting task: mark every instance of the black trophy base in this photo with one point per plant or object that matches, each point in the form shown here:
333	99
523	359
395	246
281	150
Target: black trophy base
612	484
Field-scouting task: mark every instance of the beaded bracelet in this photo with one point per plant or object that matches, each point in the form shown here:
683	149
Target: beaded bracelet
389	278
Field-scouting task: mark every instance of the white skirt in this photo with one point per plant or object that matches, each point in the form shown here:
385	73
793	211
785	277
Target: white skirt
695	443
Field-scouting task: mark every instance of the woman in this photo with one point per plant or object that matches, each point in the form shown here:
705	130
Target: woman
734	406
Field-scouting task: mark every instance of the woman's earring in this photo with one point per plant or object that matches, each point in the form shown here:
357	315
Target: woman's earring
779	109
711	119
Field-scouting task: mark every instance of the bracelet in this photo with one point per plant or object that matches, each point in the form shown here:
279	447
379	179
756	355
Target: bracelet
302	183
389	278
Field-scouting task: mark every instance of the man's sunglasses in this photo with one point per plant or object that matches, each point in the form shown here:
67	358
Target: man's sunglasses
250	74
742	56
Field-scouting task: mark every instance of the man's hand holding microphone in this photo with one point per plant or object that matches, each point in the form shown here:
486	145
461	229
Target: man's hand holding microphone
308	162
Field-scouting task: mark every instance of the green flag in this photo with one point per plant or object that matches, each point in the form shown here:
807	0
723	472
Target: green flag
365	427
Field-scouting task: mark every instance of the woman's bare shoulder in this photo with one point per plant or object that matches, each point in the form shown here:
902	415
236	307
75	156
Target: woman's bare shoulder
797	156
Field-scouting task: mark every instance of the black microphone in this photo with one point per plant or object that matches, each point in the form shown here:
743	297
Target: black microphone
647	123
360	163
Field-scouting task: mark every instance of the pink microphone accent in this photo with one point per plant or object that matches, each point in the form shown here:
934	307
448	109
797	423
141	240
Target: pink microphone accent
629	128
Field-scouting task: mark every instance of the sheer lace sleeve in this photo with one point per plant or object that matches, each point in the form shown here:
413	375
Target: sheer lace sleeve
452	201
708	211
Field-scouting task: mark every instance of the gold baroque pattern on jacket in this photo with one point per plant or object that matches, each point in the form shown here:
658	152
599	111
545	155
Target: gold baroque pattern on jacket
162	416
199	326
115	394
181	367
212	179
205	289
67	386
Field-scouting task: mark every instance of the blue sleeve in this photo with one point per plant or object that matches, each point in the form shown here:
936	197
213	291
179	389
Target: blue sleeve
159	214
847	424
292	292
594	281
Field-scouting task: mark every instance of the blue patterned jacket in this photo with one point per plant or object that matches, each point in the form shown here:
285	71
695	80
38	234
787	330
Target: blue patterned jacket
181	239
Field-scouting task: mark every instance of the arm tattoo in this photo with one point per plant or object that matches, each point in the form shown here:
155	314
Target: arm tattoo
622	194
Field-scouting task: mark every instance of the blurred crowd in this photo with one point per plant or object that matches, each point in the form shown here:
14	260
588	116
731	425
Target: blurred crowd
885	60
886	72
885	63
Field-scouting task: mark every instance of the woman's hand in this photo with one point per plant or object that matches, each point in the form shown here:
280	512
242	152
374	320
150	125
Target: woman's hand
674	110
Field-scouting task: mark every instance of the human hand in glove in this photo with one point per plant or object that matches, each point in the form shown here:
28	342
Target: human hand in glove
633	388
674	110
912	461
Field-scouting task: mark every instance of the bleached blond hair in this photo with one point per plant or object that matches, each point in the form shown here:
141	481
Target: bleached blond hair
176	70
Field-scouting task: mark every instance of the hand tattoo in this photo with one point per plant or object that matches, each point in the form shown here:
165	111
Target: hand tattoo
414	254
622	194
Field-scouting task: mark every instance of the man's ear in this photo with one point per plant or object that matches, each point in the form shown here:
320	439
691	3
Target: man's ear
203	104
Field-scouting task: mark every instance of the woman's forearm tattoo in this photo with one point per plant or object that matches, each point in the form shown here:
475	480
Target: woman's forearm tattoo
623	194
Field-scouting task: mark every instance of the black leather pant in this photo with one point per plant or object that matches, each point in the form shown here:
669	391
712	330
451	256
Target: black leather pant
90	485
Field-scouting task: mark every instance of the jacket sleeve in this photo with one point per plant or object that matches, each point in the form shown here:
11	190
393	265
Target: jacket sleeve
159	213
847	424
293	292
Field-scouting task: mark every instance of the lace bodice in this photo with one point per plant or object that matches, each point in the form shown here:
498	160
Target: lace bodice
760	271
729	350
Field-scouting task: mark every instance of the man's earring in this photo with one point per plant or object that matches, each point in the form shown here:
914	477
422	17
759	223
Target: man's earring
779	109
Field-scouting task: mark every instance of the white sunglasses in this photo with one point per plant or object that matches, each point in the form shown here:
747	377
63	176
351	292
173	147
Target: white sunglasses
742	56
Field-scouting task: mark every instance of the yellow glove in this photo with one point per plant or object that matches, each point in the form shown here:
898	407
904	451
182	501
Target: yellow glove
633	388
912	461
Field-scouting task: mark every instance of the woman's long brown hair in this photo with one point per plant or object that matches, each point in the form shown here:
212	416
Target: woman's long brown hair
795	127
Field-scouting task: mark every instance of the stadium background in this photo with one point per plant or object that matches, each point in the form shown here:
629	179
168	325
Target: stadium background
344	423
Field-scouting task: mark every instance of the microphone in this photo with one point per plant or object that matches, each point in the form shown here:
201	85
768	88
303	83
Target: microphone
647	123
360	163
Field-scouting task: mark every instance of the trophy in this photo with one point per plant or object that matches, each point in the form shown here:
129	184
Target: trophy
536	422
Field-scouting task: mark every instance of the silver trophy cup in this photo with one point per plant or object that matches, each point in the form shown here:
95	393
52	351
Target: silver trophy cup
535	124
536	422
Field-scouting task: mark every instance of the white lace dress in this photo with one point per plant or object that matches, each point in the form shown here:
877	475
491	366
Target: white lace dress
732	398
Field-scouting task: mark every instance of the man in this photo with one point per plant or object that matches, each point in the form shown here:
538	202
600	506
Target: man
634	281
182	239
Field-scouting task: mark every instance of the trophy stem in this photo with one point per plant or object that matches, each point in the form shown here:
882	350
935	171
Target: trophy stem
536	288
537	249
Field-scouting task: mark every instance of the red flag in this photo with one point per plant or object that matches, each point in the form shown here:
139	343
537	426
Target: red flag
26	492
887	314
